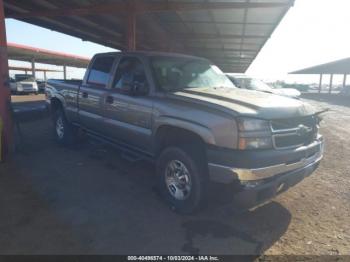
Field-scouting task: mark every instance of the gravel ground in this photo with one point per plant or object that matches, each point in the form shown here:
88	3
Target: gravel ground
85	200
320	205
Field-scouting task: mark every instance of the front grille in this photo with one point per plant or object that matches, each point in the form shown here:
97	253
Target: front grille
291	123
293	132
27	87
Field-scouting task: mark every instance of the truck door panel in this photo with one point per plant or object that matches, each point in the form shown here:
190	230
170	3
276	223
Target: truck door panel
128	118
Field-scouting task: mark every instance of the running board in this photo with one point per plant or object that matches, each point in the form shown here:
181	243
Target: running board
126	153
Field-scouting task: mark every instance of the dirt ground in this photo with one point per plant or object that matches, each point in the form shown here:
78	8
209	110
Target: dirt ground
89	200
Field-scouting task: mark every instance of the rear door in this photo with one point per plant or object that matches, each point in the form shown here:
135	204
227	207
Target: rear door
127	117
92	92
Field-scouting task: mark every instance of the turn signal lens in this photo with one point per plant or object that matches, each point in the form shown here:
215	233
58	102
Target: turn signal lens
255	143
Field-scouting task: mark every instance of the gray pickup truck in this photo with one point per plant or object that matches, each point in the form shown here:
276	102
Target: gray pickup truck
184	114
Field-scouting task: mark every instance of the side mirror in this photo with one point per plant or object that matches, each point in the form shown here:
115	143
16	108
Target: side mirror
134	88
127	86
140	89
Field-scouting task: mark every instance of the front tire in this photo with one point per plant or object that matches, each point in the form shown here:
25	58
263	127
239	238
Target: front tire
64	132
182	179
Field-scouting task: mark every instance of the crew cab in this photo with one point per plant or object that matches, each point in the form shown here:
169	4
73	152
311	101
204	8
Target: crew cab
185	115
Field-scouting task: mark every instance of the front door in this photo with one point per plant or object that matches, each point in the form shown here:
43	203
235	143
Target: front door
127	117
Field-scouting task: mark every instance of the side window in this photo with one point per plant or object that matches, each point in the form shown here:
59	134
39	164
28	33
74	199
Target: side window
100	71
131	71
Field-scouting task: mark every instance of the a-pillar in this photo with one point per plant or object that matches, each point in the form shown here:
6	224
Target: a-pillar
5	95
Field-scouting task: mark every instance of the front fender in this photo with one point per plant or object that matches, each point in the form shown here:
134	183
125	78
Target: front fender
202	131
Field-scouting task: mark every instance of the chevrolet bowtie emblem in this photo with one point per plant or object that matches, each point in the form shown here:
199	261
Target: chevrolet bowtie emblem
303	130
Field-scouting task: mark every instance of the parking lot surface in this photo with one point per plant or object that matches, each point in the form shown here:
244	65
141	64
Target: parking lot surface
88	200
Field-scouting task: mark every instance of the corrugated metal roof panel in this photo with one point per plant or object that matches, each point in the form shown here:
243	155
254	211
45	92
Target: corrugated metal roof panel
208	33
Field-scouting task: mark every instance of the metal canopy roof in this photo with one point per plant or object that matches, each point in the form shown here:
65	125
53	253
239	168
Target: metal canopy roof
337	67
27	53
230	33
20	68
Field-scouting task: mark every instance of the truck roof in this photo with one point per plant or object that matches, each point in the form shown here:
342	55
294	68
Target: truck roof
153	53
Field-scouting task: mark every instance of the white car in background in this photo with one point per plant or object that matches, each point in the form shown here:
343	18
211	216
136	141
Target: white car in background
245	82
24	84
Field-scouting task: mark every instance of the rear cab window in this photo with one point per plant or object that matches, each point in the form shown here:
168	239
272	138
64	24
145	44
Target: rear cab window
99	74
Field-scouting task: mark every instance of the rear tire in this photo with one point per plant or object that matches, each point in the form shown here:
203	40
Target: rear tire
186	188
64	132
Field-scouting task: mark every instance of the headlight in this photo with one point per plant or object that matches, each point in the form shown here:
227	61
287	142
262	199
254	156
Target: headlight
19	88
251	124
254	134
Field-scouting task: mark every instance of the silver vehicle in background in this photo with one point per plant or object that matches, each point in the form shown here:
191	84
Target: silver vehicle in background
245	82
24	84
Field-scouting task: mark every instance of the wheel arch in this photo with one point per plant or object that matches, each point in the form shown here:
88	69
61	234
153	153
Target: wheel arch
170	134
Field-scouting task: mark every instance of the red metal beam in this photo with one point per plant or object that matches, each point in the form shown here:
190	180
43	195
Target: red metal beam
145	7
131	33
20	68
5	95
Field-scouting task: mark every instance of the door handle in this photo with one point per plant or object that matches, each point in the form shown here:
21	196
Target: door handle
109	99
85	94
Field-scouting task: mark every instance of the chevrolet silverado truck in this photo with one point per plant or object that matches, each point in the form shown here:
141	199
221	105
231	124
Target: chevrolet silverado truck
185	115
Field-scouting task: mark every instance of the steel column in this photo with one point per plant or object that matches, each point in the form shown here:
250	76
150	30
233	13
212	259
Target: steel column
320	85
131	32
5	95
65	72
33	68
331	84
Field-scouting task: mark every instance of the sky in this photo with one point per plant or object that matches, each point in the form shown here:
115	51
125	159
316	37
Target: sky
312	32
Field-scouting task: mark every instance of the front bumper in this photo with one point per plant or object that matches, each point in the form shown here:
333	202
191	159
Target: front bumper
252	197
229	166
258	182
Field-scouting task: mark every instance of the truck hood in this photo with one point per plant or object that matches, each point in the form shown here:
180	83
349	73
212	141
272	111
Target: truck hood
245	102
289	92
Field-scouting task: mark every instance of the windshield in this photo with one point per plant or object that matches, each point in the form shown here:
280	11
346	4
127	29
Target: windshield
254	84
21	78
177	73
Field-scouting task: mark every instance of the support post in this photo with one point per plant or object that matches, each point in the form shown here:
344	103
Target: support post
65	72
33	68
331	84
320	86
5	95
131	32
344	81
45	76
25	72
